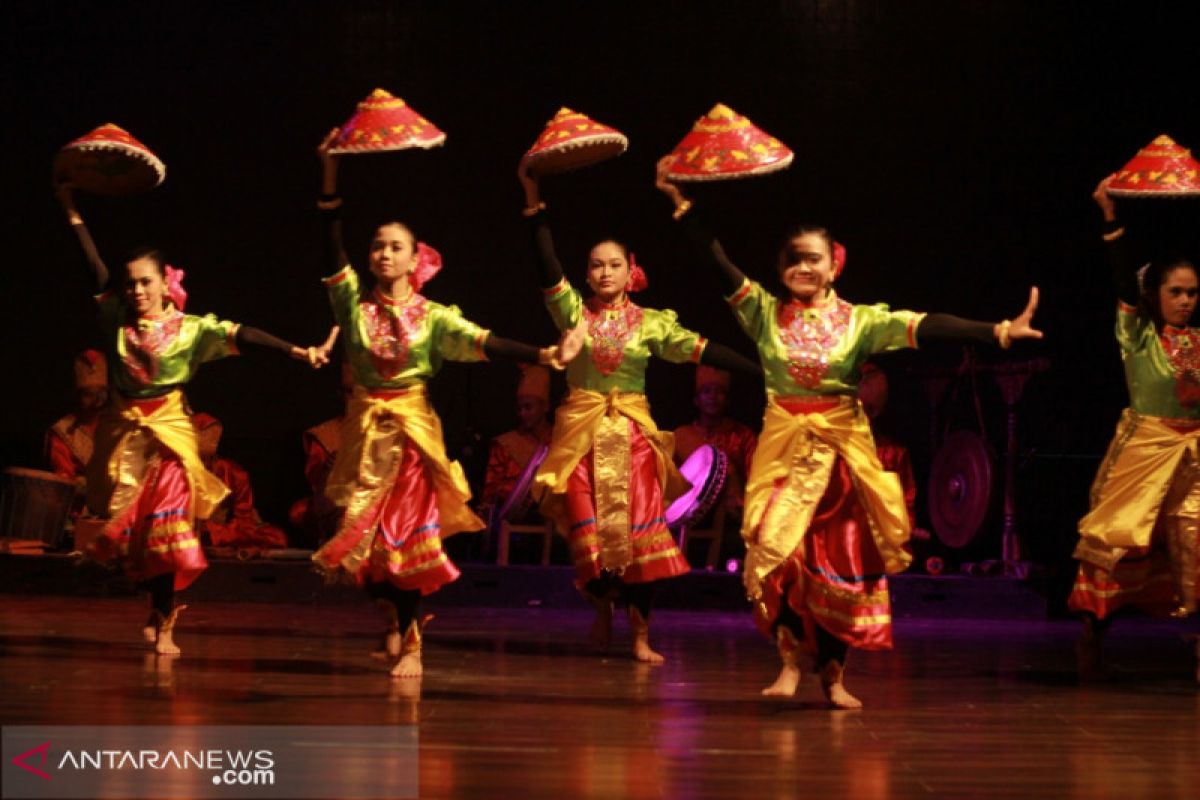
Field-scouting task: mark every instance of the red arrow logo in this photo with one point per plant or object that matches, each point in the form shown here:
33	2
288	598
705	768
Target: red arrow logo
40	750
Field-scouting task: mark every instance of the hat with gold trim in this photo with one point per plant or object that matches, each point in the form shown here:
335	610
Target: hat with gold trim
1160	169
108	160
383	122
723	145
571	140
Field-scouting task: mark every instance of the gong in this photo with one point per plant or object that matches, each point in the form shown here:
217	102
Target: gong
960	487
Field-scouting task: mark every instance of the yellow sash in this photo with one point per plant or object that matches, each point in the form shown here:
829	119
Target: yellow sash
373	436
802	449
118	464
1130	487
591	421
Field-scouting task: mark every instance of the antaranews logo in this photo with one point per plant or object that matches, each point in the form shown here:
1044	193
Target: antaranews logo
228	767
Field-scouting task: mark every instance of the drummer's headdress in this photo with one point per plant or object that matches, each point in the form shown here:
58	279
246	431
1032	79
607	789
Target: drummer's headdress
706	375
91	370
208	429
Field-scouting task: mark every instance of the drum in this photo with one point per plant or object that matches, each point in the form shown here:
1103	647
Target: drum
520	500
34	505
706	470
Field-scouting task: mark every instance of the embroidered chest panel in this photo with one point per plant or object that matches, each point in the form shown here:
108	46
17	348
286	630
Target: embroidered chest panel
809	335
145	343
391	330
610	330
1182	346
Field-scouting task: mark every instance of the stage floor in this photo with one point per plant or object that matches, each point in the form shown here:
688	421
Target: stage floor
513	704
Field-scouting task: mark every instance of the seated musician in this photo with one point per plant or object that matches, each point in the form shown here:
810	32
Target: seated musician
713	427
69	441
316	516
235	523
510	452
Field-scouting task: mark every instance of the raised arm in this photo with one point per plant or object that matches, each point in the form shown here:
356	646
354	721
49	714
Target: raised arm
704	245
1120	259
549	268
330	206
66	199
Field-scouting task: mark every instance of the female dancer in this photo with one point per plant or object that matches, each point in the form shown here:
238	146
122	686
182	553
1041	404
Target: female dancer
824	522
609	469
401	493
1140	542
145	475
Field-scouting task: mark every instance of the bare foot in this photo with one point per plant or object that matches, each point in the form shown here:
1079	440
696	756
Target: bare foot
642	651
409	666
839	698
601	633
389	647
150	629
785	685
165	646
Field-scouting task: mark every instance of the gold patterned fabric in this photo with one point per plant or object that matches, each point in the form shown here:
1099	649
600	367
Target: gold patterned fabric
790	471
123	444
1130	489
589	421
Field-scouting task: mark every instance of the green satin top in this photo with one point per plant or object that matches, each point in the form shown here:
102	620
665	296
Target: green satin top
620	340
1162	369
818	350
397	345
151	356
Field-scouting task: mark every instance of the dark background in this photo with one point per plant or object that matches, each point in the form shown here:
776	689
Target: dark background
951	145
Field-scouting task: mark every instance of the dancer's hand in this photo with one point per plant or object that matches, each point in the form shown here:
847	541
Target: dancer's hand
65	193
318	357
663	182
1021	326
571	342
329	162
529	183
1104	200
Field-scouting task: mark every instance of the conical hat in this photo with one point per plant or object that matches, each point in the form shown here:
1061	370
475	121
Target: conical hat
723	145
572	140
383	122
1161	169
108	161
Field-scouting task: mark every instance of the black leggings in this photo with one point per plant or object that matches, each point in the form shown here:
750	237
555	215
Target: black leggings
162	593
407	602
829	647
635	595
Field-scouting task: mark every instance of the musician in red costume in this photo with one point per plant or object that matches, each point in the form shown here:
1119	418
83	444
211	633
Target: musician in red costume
235	522
69	441
713	427
316	515
511	452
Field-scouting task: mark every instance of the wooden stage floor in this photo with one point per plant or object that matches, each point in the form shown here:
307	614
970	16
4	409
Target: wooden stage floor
513	705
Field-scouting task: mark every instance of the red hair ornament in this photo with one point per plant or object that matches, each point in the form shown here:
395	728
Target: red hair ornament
429	263
637	276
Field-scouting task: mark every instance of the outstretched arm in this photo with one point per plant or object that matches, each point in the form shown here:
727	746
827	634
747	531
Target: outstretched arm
718	355
704	245
317	356
330	205
1120	259
549	269
558	356
947	327
99	270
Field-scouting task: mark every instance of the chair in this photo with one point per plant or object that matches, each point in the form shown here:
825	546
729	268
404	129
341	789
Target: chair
506	529
713	534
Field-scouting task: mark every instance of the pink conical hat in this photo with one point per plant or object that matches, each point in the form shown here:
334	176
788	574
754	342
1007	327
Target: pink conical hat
722	145
108	160
383	122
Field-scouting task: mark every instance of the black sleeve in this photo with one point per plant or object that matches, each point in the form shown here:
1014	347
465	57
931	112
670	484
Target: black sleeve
718	355
1120	261
949	328
258	338
708	250
95	263
499	347
549	269
335	250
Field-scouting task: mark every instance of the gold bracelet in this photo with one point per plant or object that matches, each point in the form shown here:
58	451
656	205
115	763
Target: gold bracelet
547	358
532	210
682	209
329	205
1002	335
1112	236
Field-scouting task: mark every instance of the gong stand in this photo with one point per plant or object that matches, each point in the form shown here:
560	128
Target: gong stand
961	473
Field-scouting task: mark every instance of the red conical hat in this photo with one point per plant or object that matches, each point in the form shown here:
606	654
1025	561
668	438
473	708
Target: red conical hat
1161	169
108	161
572	140
722	145
383	122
